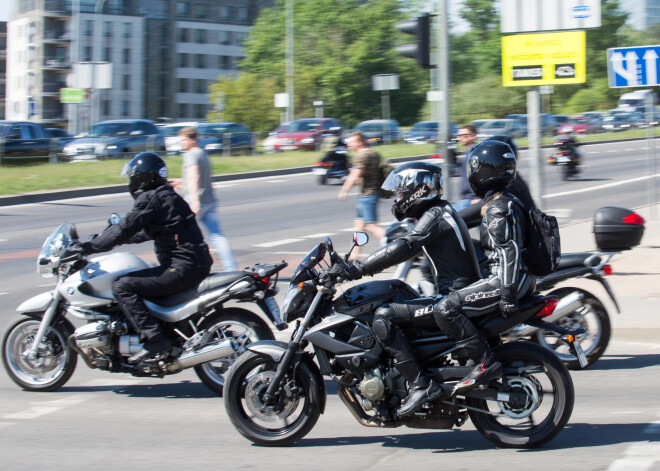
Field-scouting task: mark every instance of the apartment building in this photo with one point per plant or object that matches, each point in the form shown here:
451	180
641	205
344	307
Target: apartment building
164	54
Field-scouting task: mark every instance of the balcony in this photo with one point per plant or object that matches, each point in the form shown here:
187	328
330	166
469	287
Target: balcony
58	63
54	37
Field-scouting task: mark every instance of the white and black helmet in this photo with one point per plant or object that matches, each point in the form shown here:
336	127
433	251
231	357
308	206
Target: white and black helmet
416	186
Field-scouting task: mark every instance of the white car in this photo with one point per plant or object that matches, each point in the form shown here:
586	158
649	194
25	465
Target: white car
171	133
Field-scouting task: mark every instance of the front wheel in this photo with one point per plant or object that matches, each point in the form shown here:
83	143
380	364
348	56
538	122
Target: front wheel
592	316
288	416
54	363
545	385
244	327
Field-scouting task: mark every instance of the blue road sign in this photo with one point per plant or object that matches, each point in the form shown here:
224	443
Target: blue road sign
633	66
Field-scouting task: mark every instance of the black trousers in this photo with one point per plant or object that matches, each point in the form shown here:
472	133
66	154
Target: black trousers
129	291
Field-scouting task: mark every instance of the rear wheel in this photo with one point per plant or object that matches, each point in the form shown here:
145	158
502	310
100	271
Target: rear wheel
592	317
244	327
54	363
538	376
289	416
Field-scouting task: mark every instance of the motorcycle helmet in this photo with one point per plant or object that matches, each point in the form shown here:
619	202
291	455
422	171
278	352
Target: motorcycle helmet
145	171
416	186
507	140
490	164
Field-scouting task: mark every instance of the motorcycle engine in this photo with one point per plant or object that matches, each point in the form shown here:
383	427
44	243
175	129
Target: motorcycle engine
93	335
372	387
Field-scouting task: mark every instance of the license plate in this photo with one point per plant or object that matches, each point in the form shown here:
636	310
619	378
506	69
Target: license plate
319	171
582	358
563	158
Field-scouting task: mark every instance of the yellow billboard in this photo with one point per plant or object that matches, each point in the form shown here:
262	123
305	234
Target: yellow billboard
543	59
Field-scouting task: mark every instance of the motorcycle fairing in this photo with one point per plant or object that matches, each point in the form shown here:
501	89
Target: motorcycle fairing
366	297
36	303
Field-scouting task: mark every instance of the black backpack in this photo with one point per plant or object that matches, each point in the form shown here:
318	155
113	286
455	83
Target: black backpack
542	252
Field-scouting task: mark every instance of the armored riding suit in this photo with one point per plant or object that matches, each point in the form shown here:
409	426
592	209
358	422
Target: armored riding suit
163	216
503	232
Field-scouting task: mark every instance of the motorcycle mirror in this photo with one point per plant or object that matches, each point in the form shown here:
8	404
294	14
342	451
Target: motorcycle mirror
114	219
328	244
359	239
73	232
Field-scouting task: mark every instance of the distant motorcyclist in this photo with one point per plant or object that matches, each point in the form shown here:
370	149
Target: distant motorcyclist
161	215
564	138
443	237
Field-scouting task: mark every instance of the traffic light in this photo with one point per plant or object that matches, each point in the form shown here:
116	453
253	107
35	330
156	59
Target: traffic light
420	51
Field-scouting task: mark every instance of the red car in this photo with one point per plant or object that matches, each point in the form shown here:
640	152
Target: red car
580	125
305	133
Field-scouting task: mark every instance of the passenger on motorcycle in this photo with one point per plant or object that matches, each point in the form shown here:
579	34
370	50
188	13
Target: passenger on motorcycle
161	215
444	238
491	166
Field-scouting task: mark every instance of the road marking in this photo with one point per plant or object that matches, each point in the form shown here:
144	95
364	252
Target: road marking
600	187
318	236
560	213
275	243
224	185
276	181
285	252
2	294
46	408
4	240
640	456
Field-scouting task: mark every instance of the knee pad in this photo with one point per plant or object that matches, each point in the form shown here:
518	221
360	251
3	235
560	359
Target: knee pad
382	325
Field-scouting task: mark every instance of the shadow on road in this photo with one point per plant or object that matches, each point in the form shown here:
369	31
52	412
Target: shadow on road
178	390
625	362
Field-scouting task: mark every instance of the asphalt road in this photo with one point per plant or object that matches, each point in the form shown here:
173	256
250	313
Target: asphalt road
104	421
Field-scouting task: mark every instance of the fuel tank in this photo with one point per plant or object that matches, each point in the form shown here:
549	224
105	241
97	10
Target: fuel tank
92	285
366	297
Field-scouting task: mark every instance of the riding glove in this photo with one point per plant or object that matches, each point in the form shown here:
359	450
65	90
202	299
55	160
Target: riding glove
509	301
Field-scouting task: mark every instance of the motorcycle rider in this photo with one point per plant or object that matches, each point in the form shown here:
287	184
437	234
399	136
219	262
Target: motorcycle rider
565	138
442	235
161	215
491	166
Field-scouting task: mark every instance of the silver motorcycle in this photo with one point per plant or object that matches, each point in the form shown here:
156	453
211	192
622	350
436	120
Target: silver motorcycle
40	346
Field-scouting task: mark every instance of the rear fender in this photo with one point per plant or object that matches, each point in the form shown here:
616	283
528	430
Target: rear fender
38	303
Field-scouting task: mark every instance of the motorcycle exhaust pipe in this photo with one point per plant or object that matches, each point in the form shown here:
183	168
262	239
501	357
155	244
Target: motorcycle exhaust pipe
567	305
210	352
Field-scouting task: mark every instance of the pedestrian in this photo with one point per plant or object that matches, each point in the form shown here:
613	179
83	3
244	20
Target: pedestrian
365	170
198	192
467	136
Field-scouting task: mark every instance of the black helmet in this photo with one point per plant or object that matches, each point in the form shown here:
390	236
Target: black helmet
416	185
145	172
489	165
507	140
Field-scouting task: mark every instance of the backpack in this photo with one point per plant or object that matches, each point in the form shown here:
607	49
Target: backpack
385	169
542	252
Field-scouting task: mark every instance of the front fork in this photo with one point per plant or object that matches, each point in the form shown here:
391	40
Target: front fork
46	321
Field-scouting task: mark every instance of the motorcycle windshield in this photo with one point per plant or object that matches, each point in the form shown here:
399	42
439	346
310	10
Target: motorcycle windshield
53	246
312	259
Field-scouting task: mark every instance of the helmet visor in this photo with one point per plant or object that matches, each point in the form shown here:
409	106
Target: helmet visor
392	182
126	169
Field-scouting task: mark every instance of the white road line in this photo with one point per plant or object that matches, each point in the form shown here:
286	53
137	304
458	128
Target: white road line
276	181
350	229
46	408
275	243
640	456
3	240
224	185
2	294
318	236
285	252
600	187
560	213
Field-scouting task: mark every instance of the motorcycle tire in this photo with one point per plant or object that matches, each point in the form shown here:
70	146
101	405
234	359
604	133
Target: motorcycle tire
256	421
55	362
322	179
565	173
549	392
593	317
244	326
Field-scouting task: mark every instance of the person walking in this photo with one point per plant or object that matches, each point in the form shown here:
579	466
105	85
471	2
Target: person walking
467	136
366	169
198	192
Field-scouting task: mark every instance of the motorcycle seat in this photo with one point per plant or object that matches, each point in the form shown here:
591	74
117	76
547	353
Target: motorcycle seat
571	260
217	280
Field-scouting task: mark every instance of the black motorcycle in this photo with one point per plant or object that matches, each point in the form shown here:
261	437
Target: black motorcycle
275	392
334	164
566	156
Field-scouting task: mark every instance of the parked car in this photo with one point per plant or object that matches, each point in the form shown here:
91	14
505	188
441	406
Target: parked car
521	123
268	144
215	137
377	131
24	140
306	133
494	127
561	119
427	131
61	136
116	139
619	122
580	125
171	134
477	123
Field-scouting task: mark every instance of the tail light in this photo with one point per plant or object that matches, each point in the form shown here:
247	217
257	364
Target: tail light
549	308
323	164
607	269
633	218
265	281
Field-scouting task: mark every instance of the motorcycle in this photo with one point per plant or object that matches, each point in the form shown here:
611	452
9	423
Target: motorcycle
615	230
275	392
40	347
334	164
566	156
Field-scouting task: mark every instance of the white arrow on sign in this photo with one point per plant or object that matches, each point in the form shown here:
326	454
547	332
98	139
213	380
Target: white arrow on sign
650	58
630	71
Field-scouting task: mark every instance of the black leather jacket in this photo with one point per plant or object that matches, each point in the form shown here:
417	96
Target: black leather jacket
503	232
442	235
163	216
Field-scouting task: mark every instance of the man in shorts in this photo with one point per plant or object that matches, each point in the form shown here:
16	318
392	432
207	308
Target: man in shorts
366	169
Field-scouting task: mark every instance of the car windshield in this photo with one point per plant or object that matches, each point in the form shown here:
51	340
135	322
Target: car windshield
111	129
579	121
371	127
211	130
303	126
495	124
170	131
425	127
3	129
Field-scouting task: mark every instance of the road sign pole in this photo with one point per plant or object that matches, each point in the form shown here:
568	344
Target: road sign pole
534	136
651	184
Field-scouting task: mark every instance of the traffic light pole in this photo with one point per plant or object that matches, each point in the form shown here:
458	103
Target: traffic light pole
443	89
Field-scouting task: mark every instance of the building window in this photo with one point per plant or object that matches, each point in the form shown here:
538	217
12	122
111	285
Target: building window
107	28
182	35
125	79
183	110
225	37
201	10
127	56
200	36
128	30
182	60
200	61
225	62
182	86
225	13
114	7
124	108
200	86
107	54
89	27
88	53
240	37
182	9
106	107
200	111
242	13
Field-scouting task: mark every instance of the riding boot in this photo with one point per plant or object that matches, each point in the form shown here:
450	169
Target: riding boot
486	368
421	389
150	349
